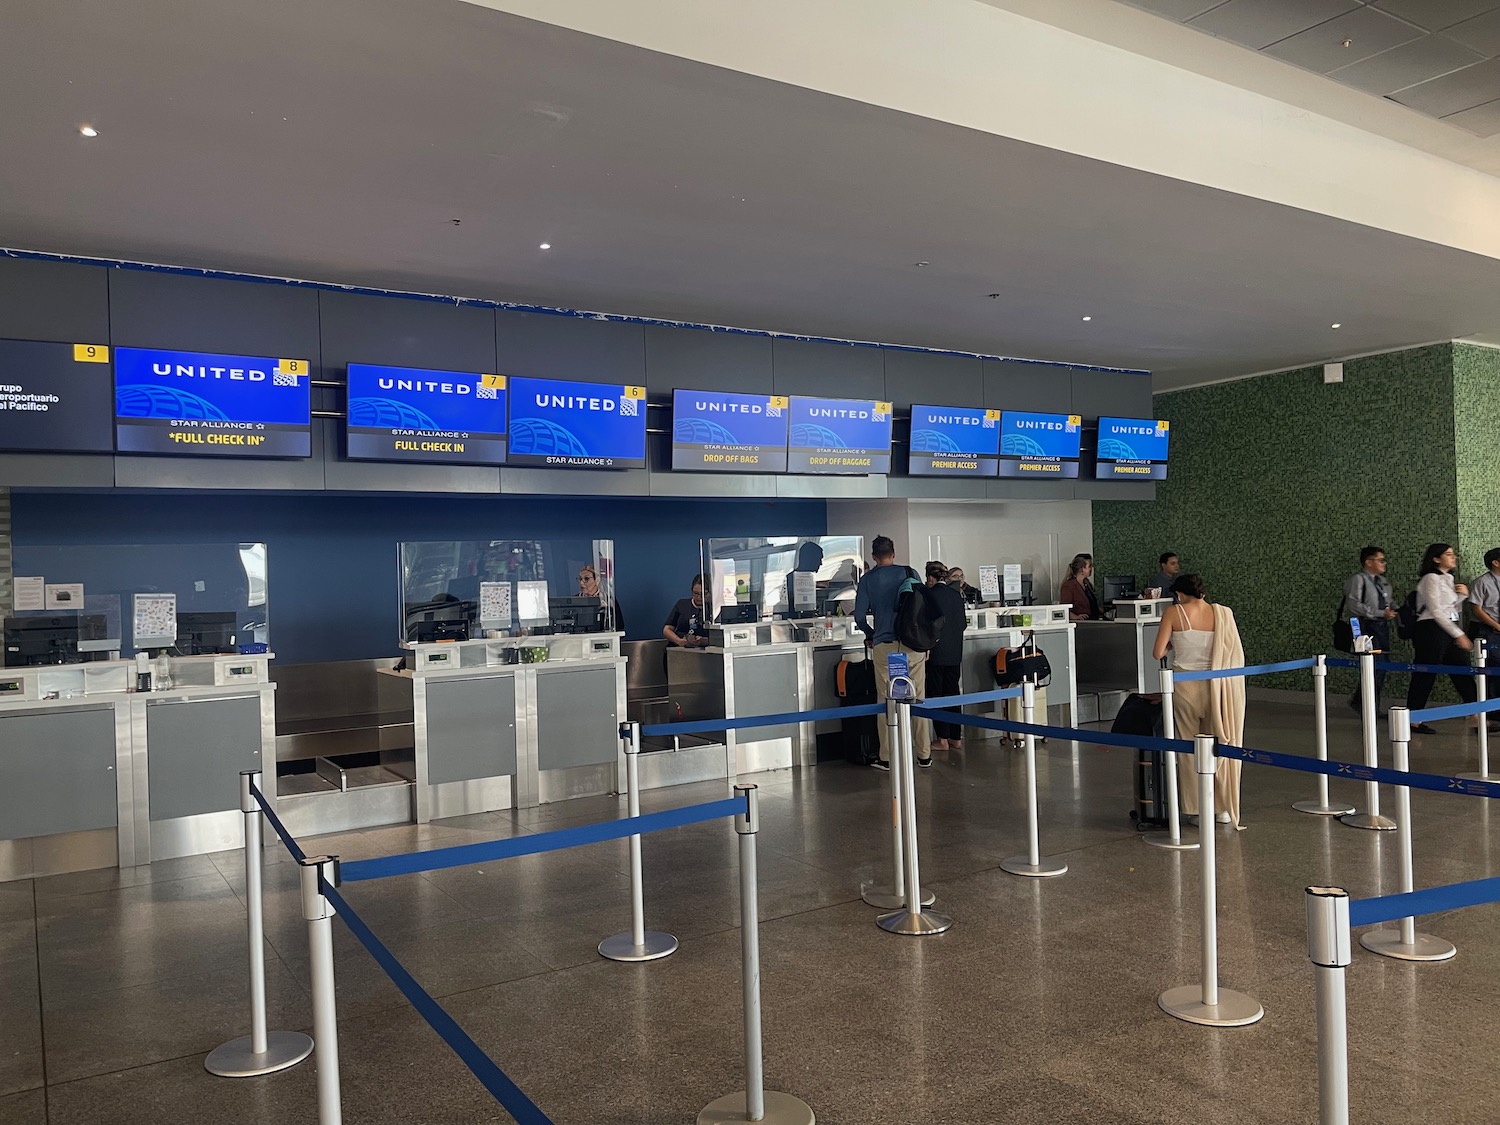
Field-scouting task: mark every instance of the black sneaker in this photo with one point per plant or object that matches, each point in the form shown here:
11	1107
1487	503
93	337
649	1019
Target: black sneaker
926	762
877	764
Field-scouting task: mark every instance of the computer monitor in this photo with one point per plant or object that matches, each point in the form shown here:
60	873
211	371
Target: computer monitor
31	641
1119	588
430	632
203	633
1025	598
576	615
746	614
446	610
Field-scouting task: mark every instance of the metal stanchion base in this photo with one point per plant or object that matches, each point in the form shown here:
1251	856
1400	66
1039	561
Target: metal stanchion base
884	898
1366	820
1315	809
1477	776
914	925
781	1109
235	1059
1388	943
622	947
1164	840
1022	865
1234	1009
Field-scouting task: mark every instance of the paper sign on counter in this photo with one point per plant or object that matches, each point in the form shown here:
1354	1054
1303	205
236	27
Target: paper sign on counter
30	593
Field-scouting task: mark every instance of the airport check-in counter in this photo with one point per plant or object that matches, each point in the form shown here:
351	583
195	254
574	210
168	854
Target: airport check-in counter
95	775
991	629
1114	657
515	722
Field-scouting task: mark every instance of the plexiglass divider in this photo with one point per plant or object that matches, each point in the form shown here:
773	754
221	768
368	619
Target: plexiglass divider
777	578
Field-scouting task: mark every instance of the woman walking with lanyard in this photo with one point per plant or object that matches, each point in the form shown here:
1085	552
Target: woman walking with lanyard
1438	638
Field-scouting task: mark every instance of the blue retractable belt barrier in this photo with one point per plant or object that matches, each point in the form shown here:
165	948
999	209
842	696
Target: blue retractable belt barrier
1454	711
1397	666
1253	670
1353	771
1434	900
462	854
280	829
706	726
973	697
1103	738
501	1088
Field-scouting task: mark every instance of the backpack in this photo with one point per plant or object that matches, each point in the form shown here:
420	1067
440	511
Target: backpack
1406	617
919	618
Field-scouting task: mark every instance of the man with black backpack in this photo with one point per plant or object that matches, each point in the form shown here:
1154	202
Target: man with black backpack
904	622
1367	596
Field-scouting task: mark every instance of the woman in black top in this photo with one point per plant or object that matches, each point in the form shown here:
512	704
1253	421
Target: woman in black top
686	625
944	663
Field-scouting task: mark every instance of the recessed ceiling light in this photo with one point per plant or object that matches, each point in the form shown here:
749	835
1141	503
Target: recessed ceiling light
545	246
1347	43
922	263
1335	326
1088	318
88	130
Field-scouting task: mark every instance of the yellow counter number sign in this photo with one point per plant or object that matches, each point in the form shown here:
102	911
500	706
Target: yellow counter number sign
497	382
90	353
291	367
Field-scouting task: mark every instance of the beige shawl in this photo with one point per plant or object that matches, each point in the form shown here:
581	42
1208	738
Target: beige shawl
1228	694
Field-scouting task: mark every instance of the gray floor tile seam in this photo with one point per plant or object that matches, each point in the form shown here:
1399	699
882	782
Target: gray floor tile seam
172	976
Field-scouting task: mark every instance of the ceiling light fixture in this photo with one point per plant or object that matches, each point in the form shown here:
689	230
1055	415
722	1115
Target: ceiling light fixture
1088	318
545	246
922	263
88	130
1335	326
1347	43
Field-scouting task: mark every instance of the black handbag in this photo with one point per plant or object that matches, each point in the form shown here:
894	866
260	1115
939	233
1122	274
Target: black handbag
1012	665
1343	632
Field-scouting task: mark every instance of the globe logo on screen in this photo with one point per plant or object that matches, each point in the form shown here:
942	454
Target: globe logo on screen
165	402
541	438
1019	445
700	431
811	435
1113	449
388	413
933	441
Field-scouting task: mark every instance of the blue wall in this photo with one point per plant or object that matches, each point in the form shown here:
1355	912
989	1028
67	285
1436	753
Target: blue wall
333	557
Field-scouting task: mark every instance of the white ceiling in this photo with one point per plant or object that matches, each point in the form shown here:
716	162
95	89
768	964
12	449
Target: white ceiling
337	140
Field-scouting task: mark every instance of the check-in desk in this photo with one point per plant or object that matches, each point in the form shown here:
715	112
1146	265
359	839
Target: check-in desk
496	728
1115	658
93	775
990	629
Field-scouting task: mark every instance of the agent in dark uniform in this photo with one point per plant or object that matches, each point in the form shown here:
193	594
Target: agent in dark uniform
686	625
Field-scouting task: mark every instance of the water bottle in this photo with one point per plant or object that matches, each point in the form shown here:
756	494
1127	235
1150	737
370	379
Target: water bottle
163	671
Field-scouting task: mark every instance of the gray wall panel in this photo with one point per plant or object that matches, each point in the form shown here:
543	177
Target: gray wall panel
54	301
195	752
830	488
363	329
471	728
1006	489
694	359
57	470
935	380
57	773
1027	386
937	488
828	370
1100	392
1114	489
577	718
394	476
160	310
542	346
521	481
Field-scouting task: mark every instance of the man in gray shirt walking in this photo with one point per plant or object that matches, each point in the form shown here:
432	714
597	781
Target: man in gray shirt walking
1367	596
1484	609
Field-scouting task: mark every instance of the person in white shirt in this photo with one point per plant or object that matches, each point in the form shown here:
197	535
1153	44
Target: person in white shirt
1439	639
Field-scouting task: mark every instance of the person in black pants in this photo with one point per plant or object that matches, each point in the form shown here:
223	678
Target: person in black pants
944	662
1439	638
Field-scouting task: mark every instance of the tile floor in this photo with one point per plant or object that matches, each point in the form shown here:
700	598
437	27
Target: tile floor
1038	1006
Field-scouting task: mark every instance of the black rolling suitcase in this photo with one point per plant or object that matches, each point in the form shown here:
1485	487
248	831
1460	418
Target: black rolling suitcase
855	684
1141	714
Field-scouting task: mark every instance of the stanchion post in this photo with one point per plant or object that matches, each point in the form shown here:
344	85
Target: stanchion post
1208	1003
639	944
755	1102
1172	837
911	920
1404	943
1371	817
1031	863
1481	686
318	912
1330	950
892	897
1322	806
262	1051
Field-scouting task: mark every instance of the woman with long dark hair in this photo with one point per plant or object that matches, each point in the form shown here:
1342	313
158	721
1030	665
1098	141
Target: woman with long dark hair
1439	638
